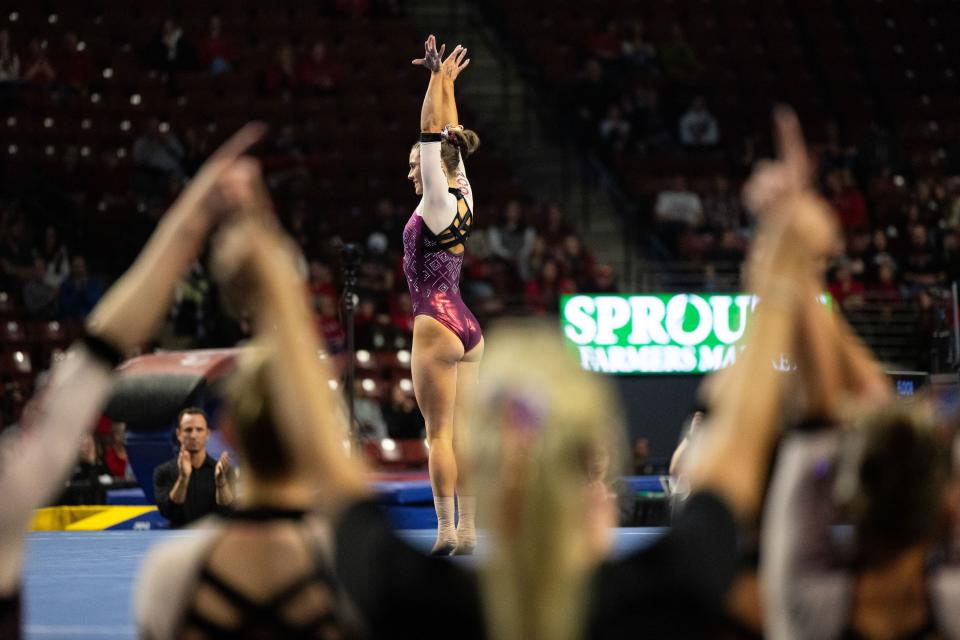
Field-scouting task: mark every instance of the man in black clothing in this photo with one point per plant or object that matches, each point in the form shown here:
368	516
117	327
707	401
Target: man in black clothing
192	485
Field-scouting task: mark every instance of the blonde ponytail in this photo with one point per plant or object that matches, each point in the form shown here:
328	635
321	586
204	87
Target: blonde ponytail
536	428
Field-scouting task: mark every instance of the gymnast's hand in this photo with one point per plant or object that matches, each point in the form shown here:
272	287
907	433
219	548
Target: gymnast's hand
197	194
788	175
431	57
455	63
783	188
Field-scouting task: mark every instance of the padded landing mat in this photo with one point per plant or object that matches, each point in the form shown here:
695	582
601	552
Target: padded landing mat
78	585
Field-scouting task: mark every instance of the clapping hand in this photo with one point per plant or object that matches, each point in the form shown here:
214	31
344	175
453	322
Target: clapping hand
221	472
184	465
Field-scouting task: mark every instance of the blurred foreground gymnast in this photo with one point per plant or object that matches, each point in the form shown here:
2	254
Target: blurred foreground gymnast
886	467
36	457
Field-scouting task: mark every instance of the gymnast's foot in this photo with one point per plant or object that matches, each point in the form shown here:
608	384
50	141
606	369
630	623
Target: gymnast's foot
464	548
444	547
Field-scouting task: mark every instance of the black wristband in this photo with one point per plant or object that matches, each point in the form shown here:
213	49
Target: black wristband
103	350
430	137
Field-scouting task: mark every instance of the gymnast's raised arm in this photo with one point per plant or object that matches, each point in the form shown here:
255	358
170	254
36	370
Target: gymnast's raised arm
438	111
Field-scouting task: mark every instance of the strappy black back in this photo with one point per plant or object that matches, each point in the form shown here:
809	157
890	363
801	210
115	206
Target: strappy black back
459	230
262	620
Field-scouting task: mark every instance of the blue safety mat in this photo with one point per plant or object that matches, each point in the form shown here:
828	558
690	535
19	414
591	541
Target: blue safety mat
408	492
78	585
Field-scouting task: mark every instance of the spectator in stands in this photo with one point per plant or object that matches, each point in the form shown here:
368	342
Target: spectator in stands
191	310
40	296
80	292
74	65
90	476
9	60
679	205
591	95
555	228
614	130
158	151
603	280
376	273
532	261
844	289
15	258
169	51
196	148
193	485
217	51
575	260
512	238
115	456
542	295
281	76
698	127
921	263
390	223
878	255
642	465
328	321
37	68
370	421
730	248
35	467
847	200
677	57
635	48
722	207
318	71
55	256
885	290
321	280
951	255
402	312
607	44
404	420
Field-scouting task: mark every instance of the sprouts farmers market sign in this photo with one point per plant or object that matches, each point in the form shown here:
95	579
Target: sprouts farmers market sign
656	333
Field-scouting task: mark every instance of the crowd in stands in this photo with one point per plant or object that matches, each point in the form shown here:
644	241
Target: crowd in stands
74	224
643	101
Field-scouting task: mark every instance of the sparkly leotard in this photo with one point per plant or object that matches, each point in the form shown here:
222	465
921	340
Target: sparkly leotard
432	265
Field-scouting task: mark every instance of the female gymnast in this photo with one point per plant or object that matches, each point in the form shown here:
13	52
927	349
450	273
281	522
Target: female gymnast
447	342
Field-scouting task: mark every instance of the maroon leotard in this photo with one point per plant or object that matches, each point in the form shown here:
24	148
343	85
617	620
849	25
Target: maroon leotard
433	272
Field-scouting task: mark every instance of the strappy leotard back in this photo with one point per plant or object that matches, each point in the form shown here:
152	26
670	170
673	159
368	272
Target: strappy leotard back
255	619
432	264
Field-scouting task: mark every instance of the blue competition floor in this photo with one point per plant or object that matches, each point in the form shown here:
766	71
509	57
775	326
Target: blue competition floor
78	585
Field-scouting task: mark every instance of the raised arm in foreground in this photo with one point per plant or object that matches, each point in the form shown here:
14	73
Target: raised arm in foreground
34	460
255	255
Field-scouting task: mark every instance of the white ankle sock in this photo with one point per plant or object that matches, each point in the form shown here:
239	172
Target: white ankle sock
446	532
466	531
